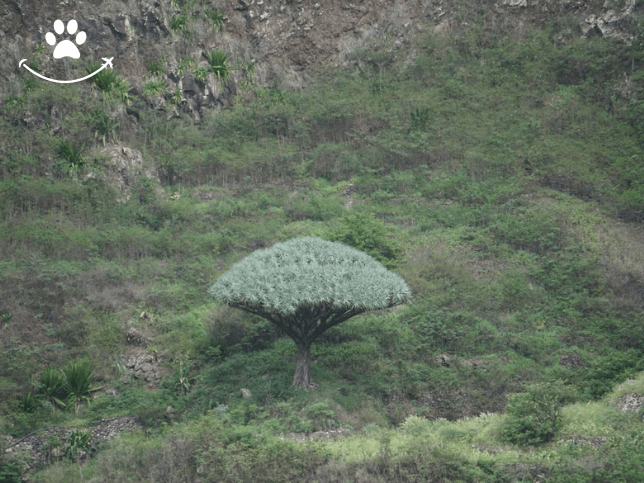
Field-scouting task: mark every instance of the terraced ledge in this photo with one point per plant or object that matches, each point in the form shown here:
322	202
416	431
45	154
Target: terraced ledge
36	443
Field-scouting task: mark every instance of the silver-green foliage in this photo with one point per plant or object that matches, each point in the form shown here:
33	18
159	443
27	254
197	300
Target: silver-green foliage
310	271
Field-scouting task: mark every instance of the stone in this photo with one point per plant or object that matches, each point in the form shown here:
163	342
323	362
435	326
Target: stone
631	402
245	393
124	165
136	337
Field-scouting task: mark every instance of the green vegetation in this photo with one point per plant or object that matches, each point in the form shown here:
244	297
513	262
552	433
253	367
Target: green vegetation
105	126
178	23
78	383
306	286
185	65
109	82
496	169
217	19
218	61
153	87
156	68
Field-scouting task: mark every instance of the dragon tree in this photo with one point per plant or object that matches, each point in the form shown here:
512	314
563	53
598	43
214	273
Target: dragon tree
307	285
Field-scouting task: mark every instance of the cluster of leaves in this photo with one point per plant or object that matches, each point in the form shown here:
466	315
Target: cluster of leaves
179	23
185	65
61	388
105	125
217	19
366	233
218	60
76	442
109	83
71	159
610	370
534	417
153	87
156	68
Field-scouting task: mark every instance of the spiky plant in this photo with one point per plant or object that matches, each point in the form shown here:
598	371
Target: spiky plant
156	68
185	65
217	19
72	158
51	386
155	87
178	23
177	98
218	60
28	403
109	83
307	285
77	441
105	126
78	383
201	74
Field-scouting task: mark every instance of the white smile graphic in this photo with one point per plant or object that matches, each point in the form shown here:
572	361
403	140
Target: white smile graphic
107	62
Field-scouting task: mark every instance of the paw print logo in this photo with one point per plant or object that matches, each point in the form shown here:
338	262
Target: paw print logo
66	48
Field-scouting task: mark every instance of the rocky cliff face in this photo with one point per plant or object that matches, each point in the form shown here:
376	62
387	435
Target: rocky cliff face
283	38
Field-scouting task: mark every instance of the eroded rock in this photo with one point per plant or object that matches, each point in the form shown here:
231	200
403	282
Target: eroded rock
124	165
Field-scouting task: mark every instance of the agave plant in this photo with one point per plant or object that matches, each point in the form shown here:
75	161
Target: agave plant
51	386
185	65
77	441
73	156
178	23
177	98
78	383
156	68
217	19
105	125
28	403
108	82
155	87
201	73
218	60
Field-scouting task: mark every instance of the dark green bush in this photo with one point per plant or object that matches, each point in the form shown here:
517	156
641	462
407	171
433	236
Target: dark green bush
534	417
317	208
366	233
612	369
10	469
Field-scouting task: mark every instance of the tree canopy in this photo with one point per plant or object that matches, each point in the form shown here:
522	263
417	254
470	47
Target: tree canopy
307	285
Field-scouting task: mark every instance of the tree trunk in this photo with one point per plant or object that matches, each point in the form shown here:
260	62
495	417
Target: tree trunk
302	378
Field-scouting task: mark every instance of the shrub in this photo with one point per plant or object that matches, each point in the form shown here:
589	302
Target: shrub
218	61
105	126
108	82
217	19
610	370
201	73
533	417
317	208
156	68
178	23
154	87
10	469
78	441
78	382
364	232
27	403
185	65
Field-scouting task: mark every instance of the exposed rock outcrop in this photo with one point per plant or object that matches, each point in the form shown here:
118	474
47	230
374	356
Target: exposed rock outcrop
143	365
124	165
631	402
284	39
